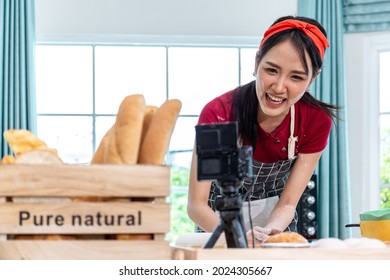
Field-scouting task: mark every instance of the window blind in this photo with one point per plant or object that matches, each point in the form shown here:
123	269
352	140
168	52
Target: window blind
366	15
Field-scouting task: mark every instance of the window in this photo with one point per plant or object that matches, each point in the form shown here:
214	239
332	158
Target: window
384	123
64	86
366	118
80	87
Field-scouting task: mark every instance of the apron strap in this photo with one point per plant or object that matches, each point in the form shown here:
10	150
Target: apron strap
292	139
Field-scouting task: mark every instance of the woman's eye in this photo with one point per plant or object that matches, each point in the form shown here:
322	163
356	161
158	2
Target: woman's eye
299	78
271	70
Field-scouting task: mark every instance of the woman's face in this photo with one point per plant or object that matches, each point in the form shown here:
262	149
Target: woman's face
281	80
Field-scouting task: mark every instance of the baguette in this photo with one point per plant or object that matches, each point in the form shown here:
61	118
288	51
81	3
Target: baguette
149	112
111	155
156	142
128	128
102	149
98	158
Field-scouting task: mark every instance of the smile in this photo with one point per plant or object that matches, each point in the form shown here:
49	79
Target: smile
274	99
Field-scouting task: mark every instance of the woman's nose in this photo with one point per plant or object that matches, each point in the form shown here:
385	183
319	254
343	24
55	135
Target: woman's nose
280	85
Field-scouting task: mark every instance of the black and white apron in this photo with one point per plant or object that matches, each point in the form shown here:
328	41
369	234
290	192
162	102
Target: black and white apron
269	182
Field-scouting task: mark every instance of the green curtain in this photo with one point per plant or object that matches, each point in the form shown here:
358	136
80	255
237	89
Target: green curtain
333	168
366	15
17	67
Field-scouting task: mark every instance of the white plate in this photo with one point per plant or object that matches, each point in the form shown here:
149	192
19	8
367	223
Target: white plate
285	245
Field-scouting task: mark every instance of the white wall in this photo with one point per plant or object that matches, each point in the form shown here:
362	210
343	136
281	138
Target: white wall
155	20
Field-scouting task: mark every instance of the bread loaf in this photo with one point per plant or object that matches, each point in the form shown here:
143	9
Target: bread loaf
21	141
38	157
128	128
98	158
8	159
45	237
286	237
156	142
149	113
111	155
102	149
134	236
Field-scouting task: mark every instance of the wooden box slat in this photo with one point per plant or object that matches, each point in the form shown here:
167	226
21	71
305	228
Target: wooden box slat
65	218
75	181
84	250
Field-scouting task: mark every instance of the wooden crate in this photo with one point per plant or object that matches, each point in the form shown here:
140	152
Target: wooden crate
39	199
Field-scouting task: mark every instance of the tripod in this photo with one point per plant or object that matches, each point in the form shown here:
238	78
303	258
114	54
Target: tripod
229	207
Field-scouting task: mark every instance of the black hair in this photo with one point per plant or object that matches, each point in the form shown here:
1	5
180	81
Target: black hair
245	103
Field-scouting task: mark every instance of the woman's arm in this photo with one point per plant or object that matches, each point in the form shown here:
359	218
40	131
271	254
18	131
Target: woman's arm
283	213
198	195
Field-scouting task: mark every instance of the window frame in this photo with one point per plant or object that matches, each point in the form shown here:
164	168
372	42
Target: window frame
94	115
372	46
381	114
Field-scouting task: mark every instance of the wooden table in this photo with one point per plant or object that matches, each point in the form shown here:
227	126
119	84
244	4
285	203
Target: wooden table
188	253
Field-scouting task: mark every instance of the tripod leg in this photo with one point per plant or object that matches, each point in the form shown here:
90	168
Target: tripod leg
230	237
239	236
214	237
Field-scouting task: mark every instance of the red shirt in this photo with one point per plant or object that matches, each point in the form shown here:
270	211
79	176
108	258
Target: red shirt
312	126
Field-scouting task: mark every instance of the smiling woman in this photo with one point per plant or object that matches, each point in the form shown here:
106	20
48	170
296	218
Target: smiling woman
286	127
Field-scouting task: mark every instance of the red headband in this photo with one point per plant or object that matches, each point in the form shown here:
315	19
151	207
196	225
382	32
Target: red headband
310	30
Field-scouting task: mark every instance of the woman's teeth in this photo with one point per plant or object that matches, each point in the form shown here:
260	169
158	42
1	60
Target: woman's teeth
275	99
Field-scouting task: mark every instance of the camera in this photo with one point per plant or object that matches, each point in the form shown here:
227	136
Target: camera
219	157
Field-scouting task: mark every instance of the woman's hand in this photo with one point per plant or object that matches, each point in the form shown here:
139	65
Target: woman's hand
261	234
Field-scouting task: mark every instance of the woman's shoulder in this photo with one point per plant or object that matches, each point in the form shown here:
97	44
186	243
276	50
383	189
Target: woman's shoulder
313	127
218	109
312	114
225	98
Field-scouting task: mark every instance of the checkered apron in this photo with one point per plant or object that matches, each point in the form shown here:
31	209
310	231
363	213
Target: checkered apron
269	181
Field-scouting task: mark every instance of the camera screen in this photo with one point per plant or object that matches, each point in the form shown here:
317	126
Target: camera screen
216	146
217	137
211	166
